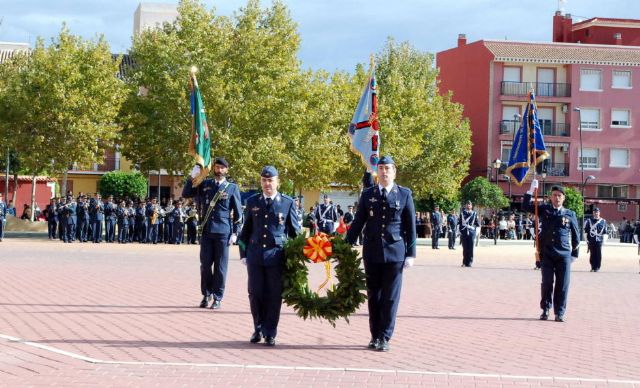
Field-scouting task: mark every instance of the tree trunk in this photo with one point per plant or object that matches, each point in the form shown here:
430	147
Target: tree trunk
33	197
63	189
15	188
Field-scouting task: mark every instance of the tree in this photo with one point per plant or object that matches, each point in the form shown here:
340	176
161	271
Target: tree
423	131
60	103
123	184
483	193
573	201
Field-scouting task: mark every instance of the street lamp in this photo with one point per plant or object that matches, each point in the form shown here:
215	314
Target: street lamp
584	203
508	178
496	165
516	119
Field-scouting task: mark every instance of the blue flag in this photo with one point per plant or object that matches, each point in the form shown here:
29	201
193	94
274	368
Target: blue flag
364	129
528	144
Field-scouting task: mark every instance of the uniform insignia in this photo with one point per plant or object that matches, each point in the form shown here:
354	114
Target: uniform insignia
397	203
255	209
206	189
372	199
565	221
280	218
371	213
224	195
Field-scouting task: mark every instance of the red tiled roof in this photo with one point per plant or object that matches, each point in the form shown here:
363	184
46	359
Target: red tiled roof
606	22
564	53
28	178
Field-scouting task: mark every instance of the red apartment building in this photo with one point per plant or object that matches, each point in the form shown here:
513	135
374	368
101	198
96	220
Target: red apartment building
587	84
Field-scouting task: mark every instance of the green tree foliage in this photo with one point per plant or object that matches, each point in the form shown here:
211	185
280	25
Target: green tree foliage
123	184
483	193
424	132
573	201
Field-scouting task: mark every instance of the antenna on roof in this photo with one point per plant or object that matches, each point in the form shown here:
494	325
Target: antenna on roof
561	5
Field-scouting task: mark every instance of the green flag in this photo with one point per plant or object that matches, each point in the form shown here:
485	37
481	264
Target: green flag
200	143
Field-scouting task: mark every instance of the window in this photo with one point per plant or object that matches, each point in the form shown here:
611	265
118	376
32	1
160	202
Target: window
590	119
511	74
590	158
620	118
622	207
590	80
505	153
619	158
613	191
621	79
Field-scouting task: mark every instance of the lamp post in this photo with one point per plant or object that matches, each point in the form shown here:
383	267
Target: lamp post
508	178
496	165
584	203
516	120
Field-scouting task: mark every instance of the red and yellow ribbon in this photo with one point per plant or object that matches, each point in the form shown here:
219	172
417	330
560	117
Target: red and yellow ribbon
319	250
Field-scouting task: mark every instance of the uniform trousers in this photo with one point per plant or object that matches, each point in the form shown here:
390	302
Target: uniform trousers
214	259
70	230
467	240
265	297
435	236
152	237
123	232
452	239
595	259
97	231
110	226
2	228
384	283
52	227
83	229
555	295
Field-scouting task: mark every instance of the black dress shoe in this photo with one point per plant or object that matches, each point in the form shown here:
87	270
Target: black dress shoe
545	315
216	304
560	318
270	341
373	343
205	301
255	337
383	346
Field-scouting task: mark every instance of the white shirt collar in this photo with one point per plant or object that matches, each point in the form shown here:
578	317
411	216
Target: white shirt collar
273	197
220	181
389	188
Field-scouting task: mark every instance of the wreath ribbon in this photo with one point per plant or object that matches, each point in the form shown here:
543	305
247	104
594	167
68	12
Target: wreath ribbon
318	250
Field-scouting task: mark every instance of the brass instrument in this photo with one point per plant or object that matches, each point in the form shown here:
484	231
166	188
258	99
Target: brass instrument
154	216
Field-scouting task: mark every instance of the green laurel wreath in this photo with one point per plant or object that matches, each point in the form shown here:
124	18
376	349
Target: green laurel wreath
341	300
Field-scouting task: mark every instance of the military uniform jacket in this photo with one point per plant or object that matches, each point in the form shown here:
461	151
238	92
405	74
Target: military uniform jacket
452	222
52	213
348	218
595	229
149	213
389	228
123	215
3	210
140	213
468	222
267	228
71	211
559	235
96	210
226	216
83	211
436	219
110	210
326	213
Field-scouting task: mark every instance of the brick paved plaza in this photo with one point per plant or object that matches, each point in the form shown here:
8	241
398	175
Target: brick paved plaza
114	315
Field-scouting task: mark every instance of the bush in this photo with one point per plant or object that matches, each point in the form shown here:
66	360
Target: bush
123	184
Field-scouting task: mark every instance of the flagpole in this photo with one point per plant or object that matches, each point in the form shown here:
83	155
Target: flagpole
535	191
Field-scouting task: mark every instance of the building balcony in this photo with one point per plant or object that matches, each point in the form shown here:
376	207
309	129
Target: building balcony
548	129
553	169
109	164
542	89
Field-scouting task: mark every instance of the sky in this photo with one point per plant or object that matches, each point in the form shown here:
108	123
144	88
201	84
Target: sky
335	34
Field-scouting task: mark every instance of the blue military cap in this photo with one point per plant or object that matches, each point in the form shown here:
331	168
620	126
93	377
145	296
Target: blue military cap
269	172
557	188
222	162
386	160
596	209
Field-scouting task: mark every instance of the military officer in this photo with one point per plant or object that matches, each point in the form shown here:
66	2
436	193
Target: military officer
452	226
387	214
595	229
436	223
326	216
3	215
62	218
559	242
141	223
83	218
269	219
52	218
96	210
71	219
110	219
467	223
221	209
153	218
122	214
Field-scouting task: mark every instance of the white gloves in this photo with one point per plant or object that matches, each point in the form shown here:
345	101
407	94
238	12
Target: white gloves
534	185
233	239
243	260
408	262
195	172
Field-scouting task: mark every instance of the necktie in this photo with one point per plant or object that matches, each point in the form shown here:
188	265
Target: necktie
384	194
268	200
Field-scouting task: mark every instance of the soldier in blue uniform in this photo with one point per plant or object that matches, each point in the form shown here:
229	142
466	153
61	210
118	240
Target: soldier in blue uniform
559	242
62	218
387	214
52	218
153	219
83	218
110	219
467	223
595	229
452	226
132	220
436	224
3	215
221	209
122	214
96	210
269	219
179	216
326	216
71	219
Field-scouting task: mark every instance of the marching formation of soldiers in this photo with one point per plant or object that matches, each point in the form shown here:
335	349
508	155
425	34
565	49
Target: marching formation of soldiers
86	218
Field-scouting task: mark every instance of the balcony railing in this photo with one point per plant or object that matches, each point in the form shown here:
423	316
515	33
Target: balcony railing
553	169
542	89
110	164
548	129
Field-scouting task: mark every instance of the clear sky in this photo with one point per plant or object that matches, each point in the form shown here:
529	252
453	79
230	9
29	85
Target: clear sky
336	34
